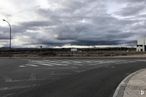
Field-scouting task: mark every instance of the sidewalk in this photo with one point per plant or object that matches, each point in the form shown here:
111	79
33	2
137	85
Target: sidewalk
133	86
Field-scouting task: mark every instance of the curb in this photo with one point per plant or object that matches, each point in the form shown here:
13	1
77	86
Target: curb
119	92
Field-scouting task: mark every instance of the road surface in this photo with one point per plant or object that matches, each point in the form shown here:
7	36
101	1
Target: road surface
89	78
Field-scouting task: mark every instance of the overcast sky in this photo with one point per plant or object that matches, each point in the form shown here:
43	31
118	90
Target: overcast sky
72	22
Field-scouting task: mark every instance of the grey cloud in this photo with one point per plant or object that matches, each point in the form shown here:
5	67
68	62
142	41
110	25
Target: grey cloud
132	9
82	22
130	1
135	0
33	25
4	37
99	27
4	33
36	23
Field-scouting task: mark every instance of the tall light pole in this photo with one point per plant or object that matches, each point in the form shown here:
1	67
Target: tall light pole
10	32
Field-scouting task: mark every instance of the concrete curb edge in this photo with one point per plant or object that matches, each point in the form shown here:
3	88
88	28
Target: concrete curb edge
119	92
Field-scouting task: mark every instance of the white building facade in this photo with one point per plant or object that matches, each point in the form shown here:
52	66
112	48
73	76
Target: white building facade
141	45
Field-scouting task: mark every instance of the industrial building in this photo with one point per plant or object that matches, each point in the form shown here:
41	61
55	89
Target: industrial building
141	45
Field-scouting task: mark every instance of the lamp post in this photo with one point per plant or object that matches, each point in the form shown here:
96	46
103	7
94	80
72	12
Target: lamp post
10	32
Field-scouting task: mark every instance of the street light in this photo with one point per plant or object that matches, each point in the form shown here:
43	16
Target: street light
10	32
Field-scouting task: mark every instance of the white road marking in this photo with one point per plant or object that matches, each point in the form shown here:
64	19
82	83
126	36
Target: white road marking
37	63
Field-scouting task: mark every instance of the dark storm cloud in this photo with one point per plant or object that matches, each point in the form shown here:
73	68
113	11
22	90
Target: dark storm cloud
36	24
100	28
4	37
84	22
4	33
97	42
99	25
33	25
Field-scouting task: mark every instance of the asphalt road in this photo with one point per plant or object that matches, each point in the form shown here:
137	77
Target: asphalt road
96	82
